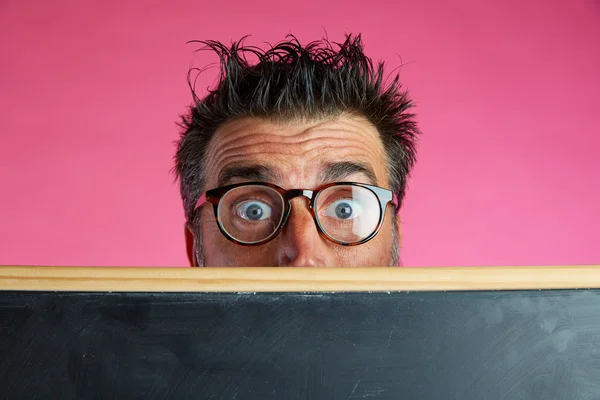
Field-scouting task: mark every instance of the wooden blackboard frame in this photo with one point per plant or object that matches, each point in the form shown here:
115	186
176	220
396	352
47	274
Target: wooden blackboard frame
117	279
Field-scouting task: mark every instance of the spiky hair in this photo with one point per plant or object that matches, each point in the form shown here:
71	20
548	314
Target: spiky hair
291	81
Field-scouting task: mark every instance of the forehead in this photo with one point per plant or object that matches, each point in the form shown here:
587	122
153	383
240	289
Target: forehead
299	152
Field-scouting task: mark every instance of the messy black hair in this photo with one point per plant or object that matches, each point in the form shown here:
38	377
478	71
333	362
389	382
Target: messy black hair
291	81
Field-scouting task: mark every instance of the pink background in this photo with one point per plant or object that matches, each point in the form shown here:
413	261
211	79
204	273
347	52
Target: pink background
508	96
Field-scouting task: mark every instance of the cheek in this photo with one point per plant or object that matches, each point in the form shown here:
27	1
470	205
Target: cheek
366	255
221	252
213	241
375	253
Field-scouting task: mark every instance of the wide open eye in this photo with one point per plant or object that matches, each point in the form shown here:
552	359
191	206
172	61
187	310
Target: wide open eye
253	210
347	213
250	213
344	209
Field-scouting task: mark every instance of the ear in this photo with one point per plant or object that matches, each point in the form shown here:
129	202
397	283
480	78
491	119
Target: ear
399	239
399	231
189	245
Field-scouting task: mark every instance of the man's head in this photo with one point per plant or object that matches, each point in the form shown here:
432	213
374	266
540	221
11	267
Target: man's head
296	117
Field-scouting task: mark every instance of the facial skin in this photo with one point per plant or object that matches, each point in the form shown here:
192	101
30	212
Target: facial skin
300	154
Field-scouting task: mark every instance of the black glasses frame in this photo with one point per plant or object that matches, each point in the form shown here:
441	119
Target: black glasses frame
214	196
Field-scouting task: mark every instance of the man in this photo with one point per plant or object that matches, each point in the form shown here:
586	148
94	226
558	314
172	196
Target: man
298	157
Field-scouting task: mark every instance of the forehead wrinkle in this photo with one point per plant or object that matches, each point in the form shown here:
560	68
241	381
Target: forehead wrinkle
306	156
305	136
354	137
299	148
361	128
224	145
282	133
349	139
334	144
225	153
324	163
248	170
334	153
245	151
242	148
354	149
218	153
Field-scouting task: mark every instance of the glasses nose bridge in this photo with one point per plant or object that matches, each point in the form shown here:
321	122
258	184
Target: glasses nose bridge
293	193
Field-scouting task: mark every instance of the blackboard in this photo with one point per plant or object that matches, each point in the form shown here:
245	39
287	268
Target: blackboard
537	344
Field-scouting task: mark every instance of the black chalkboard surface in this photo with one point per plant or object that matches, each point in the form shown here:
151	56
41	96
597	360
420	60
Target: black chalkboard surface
397	345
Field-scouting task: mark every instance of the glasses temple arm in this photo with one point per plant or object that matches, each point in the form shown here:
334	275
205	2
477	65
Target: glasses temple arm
396	203
202	200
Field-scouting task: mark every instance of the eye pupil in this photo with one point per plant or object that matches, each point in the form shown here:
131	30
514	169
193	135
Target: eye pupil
254	212
343	210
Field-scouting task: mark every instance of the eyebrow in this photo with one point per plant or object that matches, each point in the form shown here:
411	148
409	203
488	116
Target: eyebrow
338	171
252	172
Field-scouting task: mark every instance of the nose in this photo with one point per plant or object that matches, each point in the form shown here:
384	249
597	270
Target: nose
301	244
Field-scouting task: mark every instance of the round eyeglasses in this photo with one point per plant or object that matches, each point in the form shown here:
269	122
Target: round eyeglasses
254	213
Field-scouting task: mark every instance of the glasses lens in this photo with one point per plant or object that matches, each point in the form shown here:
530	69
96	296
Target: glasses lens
347	213
251	213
